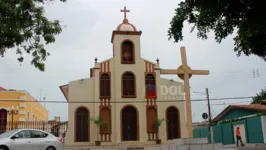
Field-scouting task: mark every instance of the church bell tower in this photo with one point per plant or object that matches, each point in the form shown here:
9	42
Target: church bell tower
126	42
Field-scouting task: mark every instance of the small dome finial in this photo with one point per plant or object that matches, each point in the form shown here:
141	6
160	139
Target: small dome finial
96	59
157	60
125	25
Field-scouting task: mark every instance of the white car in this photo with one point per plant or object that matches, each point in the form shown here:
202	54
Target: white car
29	139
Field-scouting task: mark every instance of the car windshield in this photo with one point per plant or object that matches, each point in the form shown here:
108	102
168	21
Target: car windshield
8	133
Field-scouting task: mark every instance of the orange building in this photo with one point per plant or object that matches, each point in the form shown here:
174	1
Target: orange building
27	107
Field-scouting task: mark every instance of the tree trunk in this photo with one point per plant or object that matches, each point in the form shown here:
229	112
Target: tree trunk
97	132
157	135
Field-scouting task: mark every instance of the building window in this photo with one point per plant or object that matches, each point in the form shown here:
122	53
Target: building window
128	85
150	86
127	53
105	86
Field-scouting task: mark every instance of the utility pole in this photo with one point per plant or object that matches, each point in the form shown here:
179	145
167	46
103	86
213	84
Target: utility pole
209	113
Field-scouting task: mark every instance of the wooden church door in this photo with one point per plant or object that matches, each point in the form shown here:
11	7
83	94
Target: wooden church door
82	125
129	124
172	124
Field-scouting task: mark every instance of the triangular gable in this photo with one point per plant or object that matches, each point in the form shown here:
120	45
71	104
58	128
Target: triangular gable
64	89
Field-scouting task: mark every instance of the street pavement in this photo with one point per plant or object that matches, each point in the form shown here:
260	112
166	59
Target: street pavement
247	148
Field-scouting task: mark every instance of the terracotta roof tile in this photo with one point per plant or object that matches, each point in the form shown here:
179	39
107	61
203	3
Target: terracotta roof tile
256	107
2	89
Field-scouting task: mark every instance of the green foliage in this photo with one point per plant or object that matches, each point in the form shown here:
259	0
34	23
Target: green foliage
158	122
23	26
261	113
259	97
223	17
98	121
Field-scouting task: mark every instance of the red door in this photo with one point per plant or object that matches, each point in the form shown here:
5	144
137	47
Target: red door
3	120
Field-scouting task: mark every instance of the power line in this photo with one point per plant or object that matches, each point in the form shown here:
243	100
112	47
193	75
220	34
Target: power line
136	101
252	72
233	103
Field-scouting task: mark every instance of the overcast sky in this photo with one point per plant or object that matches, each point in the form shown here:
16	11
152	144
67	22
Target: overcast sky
89	25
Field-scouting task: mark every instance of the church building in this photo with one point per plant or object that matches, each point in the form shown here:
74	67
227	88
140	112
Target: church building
126	92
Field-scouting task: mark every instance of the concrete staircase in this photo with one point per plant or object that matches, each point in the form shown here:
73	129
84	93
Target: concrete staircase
177	144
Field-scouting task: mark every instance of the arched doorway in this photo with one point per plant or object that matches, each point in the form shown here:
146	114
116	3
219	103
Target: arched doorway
173	123
82	125
129	124
3	120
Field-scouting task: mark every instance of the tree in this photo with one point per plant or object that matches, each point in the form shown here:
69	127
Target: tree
23	26
157	124
98	121
259	97
223	17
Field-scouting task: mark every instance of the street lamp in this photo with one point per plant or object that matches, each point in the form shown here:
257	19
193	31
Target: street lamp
12	111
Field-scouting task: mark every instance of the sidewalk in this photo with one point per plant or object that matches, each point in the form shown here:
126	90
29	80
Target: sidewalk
246	147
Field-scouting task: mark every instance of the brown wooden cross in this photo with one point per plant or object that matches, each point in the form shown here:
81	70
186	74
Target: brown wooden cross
125	12
184	72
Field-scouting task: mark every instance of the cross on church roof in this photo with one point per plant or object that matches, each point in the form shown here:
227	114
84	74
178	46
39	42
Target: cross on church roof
125	12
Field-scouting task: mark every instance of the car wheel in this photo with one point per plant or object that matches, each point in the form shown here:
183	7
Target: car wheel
3	148
49	148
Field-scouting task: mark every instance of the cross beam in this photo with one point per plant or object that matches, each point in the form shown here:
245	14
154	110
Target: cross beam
184	72
193	72
125	12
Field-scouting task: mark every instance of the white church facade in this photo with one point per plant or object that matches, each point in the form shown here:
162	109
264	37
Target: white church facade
125	92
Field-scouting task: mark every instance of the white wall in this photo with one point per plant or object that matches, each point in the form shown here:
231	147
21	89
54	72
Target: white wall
263	122
79	91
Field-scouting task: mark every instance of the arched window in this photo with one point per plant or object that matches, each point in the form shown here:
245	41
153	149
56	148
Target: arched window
150	86
128	85
127	54
105	86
